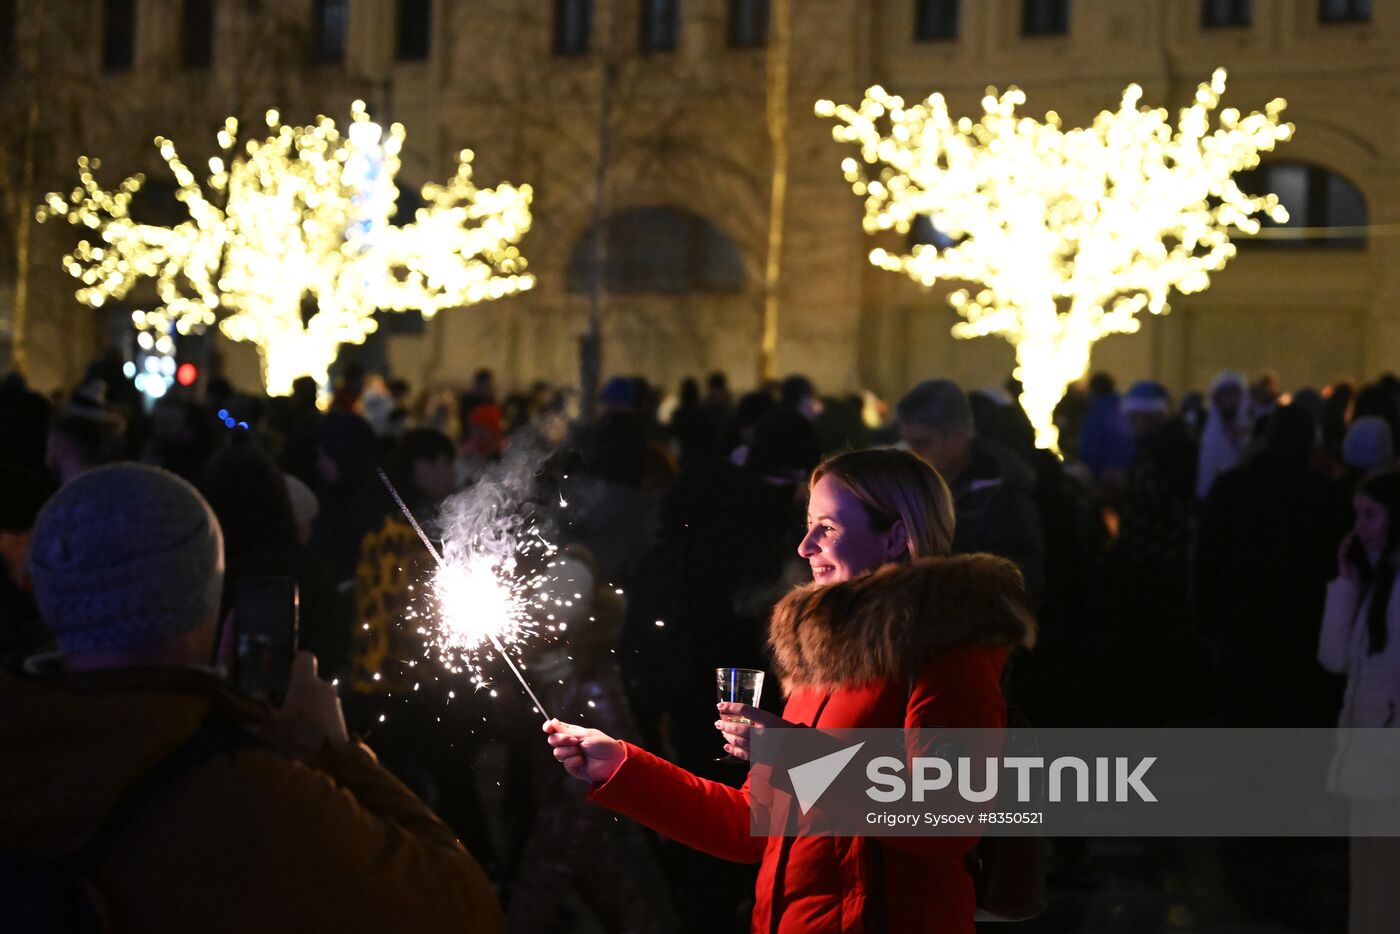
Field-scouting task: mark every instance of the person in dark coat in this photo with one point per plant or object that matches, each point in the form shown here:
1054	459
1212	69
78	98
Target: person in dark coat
610	512
692	426
22	494
24	423
352	500
993	489
712	604
1105	440
1267	549
606	865
1054	684
249	495
1149	637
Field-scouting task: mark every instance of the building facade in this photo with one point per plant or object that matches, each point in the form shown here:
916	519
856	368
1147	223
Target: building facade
688	167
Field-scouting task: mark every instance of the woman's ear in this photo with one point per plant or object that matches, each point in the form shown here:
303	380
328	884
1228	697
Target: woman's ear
897	542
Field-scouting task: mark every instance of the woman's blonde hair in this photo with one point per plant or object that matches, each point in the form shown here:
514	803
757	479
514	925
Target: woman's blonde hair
895	485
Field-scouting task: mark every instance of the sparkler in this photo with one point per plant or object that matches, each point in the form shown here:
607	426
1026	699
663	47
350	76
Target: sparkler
476	587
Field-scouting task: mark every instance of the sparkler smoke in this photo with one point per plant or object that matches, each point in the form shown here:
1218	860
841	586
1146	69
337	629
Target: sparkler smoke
479	595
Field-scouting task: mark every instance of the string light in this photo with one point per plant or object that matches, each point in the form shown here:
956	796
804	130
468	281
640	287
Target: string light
289	242
1068	234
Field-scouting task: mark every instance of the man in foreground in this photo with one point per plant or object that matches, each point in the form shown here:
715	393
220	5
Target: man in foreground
136	775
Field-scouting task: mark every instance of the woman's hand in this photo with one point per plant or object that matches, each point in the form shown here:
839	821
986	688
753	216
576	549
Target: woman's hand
588	755
1346	570
738	737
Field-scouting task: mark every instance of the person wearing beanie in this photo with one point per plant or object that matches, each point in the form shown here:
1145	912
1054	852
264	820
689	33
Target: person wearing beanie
174	796
1105	440
619	394
126	558
784	448
1146	397
993	488
1368	444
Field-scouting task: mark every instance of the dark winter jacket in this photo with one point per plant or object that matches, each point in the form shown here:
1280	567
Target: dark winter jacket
1266	550
853	655
245	840
727	543
994	500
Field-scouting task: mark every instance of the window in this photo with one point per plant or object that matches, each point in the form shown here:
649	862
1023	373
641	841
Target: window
661	25
573	26
415	29
1344	11
197	34
1316	199
328	28
935	20
1044	17
748	24
118	35
660	249
1223	13
410	322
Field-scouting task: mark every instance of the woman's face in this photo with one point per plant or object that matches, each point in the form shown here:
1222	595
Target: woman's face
840	541
1372	524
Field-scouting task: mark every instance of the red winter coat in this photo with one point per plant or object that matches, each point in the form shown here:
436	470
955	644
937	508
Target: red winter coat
920	646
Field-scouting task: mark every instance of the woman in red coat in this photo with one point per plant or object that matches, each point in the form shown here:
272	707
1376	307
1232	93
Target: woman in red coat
892	632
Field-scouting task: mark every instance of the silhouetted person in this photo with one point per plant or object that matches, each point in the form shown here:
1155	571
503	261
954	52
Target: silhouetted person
1267	548
992	488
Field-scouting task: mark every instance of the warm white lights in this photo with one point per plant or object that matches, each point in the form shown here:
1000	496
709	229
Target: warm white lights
289	242
1068	233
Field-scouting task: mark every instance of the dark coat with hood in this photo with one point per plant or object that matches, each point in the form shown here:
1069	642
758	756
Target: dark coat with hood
920	645
355	502
713	601
244	839
994	499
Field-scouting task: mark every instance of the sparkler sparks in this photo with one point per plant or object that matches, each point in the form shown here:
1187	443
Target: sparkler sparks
479	600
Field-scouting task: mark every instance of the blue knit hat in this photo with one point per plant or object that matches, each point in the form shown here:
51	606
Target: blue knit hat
125	556
1146	396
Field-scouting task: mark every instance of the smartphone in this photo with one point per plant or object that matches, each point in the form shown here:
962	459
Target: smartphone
265	624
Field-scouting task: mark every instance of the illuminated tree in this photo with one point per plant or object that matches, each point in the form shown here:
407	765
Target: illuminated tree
290	245
1070	233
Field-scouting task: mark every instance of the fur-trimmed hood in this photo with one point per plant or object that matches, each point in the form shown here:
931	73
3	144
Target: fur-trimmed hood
887	623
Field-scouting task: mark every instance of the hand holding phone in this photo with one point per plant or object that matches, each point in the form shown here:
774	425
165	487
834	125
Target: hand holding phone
265	625
311	718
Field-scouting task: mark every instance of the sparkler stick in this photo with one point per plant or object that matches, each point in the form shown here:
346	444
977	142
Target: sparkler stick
432	550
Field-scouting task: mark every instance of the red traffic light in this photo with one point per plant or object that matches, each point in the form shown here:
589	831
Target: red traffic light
187	374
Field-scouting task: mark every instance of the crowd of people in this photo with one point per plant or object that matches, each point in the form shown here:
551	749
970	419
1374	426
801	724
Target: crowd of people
1225	559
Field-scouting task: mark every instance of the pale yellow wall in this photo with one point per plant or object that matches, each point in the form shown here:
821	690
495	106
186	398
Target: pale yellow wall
493	85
